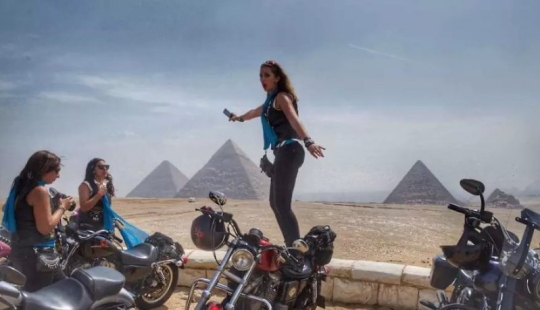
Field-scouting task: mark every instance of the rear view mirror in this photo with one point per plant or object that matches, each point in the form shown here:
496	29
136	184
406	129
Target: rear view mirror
473	187
218	198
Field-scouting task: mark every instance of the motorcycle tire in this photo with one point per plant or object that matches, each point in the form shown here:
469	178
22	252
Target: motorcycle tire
144	304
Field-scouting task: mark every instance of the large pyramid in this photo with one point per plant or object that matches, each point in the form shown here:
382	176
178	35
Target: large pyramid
420	186
163	182
229	171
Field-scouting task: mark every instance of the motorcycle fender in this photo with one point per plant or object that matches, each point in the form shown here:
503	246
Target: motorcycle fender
122	298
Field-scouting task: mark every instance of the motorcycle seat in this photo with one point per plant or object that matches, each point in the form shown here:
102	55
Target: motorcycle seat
143	254
66	294
531	216
100	281
293	272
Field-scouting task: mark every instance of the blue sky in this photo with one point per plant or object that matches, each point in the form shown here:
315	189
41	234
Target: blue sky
381	84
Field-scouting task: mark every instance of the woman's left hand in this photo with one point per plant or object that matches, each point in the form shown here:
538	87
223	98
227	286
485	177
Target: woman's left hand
316	150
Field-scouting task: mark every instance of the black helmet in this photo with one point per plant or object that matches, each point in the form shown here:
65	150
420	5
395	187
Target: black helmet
208	233
467	257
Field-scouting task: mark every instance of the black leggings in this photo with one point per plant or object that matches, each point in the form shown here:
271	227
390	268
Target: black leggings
24	259
288	159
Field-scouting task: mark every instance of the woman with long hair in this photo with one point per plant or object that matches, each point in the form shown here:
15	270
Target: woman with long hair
98	182
282	131
31	220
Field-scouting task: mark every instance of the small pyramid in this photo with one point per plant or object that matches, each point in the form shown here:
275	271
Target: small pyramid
163	182
420	186
501	199
231	172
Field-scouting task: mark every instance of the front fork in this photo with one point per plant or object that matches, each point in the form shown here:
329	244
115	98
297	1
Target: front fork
214	283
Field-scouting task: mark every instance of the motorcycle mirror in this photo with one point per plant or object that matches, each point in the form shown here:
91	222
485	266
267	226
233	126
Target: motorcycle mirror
218	198
473	187
300	245
476	188
12	275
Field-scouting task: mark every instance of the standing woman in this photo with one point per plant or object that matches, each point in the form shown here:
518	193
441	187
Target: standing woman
282	130
97	183
29	218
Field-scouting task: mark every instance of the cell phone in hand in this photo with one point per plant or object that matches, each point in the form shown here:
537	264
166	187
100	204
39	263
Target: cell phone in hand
227	112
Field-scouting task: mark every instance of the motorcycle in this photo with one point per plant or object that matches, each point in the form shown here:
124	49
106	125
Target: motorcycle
443	273
264	274
98	288
150	268
509	281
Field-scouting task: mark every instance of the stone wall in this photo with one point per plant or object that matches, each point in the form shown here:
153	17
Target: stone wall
352	282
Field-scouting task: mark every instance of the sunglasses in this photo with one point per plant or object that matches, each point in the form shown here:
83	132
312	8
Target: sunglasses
270	62
103	167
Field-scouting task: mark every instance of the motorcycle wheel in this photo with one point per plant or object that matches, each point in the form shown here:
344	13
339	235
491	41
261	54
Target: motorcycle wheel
160	296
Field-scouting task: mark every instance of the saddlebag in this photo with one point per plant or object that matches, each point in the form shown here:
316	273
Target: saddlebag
168	249
442	273
321	244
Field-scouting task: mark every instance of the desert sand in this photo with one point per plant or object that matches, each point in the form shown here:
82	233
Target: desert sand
405	234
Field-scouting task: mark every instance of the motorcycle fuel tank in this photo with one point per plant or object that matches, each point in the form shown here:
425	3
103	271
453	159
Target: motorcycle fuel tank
487	281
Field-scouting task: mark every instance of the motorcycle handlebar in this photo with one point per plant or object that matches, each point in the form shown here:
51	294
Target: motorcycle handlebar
484	216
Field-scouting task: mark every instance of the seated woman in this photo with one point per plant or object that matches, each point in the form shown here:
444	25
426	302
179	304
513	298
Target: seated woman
97	183
29	218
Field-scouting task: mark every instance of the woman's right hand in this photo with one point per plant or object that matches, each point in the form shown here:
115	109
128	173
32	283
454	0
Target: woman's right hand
235	118
66	203
102	190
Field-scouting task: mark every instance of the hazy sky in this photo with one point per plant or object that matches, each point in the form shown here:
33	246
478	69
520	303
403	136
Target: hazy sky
381	84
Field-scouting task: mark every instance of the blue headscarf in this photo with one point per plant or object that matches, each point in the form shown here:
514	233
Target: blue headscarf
131	234
8	220
270	137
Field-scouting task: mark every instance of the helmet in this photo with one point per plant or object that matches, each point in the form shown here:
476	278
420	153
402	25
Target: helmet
208	233
467	257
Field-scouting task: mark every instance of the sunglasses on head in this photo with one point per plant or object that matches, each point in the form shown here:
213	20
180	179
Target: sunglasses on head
103	167
270	62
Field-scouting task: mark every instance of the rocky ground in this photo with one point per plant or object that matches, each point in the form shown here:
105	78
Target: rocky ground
407	234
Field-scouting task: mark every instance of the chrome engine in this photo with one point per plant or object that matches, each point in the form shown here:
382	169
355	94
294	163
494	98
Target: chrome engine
271	286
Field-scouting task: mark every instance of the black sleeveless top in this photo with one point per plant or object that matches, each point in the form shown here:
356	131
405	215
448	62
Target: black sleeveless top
27	234
93	218
280	124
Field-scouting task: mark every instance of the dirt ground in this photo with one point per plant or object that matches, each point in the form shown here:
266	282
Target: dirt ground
406	234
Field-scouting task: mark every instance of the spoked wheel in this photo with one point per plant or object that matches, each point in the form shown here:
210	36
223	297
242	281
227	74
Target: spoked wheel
158	292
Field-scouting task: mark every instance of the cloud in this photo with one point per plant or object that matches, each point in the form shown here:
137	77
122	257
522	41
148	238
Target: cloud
391	56
4	85
64	97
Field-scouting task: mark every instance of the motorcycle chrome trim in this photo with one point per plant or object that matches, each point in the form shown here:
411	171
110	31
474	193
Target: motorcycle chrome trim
226	289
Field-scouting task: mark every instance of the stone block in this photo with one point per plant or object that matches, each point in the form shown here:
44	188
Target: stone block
204	260
327	289
340	268
397	297
355	292
416	276
377	272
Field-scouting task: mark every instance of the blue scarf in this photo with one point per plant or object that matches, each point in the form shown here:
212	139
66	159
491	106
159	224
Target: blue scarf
131	234
8	220
270	137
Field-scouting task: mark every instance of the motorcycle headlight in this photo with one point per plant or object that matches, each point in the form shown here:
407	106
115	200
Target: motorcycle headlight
242	259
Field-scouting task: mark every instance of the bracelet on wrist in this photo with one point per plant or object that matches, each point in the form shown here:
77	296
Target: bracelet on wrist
308	142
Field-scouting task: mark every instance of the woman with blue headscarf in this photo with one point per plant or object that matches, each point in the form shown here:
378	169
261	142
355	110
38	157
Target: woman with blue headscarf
31	219
282	132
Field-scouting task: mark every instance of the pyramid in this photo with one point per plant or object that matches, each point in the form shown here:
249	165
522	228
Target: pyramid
420	186
163	182
501	199
231	172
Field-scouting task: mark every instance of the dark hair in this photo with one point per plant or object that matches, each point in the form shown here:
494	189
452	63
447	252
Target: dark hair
284	83
89	176
40	163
